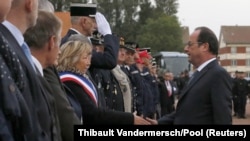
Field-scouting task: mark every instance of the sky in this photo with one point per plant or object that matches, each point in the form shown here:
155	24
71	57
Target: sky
213	13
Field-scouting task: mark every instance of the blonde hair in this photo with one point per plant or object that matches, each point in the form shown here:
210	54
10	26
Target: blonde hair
71	52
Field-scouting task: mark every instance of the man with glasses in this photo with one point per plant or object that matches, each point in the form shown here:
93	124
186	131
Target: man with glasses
206	99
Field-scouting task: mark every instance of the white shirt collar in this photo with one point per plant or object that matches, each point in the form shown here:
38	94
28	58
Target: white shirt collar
205	64
14	31
38	65
76	31
81	34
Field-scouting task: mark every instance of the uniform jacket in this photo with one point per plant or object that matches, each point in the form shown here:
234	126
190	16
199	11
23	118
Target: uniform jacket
109	87
126	70
125	85
66	37
105	60
149	106
206	100
144	97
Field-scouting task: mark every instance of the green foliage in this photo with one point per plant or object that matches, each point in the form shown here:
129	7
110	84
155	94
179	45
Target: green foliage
63	5
122	15
169	7
162	33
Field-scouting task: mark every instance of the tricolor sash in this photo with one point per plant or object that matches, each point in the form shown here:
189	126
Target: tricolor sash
85	83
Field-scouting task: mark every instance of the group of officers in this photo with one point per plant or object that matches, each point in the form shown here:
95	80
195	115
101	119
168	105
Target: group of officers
138	79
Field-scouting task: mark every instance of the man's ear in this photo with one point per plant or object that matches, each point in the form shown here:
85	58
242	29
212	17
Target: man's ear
28	5
83	20
206	46
51	42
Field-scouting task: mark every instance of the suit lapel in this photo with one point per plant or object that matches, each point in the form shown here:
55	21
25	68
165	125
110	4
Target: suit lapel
197	78
16	47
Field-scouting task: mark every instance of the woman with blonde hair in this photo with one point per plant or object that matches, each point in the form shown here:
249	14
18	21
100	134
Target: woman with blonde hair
73	63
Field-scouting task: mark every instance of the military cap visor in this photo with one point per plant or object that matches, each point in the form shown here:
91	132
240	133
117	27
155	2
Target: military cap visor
131	46
96	41
79	9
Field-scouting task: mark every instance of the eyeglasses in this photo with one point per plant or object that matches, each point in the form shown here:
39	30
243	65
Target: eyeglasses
189	44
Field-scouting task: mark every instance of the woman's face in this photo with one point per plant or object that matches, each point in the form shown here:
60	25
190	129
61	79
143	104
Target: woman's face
4	9
84	62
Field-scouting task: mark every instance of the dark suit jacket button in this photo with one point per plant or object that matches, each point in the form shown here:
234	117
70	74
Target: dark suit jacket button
12	88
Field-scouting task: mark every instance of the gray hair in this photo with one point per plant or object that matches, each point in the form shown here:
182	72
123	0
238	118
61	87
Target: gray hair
46	6
79	37
48	25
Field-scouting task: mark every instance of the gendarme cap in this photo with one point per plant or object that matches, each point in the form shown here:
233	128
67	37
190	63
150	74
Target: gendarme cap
80	9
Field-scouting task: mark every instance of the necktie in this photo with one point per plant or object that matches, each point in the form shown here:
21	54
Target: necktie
27	52
192	77
169	88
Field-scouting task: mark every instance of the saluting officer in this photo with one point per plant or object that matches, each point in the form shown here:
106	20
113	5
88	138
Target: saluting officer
106	82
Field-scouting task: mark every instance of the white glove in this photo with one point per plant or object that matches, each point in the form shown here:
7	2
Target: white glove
103	26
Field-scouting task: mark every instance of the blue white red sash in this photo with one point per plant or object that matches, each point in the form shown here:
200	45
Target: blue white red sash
85	83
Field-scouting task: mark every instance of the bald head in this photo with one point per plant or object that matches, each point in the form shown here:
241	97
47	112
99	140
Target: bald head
23	14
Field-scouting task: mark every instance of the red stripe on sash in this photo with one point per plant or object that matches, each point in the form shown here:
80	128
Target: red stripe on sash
87	89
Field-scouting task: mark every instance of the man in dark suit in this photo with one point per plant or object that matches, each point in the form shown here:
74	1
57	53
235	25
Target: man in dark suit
207	98
167	100
65	111
43	40
240	90
235	94
13	108
13	29
15	119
